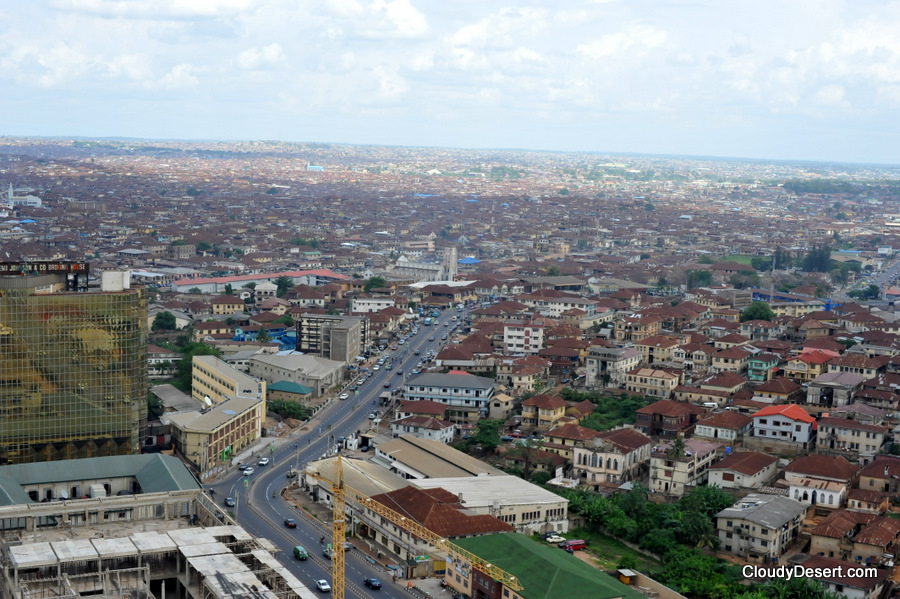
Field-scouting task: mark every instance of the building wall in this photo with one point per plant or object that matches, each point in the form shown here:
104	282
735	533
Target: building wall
73	374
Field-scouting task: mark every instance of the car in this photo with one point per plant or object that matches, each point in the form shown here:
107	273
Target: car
376	367
416	371
399	371
431	338
248	471
229	502
506	438
549	533
395	347
323	586
344	396
290	523
444	338
446	324
372	583
416	353
373	416
300	553
353	388
387	385
263	462
556	539
365	448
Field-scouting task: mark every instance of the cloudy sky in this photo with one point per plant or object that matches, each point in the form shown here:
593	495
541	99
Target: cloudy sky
787	79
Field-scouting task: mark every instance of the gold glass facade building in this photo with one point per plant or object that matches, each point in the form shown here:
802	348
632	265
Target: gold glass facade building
73	371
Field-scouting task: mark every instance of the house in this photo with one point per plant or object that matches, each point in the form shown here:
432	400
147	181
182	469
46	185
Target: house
543	411
563	439
667	418
695	357
652	382
808	365
819	480
226	305
855	536
422	407
833	389
762	367
859	364
779	390
881	474
856	441
424	427
760	528
724	426
612	457
836	577
656	348
467	396
502	405
734	360
743	470
672	471
607	366
785	423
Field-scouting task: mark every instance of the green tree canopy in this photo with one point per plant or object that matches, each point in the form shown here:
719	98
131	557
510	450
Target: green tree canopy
487	434
757	311
552	271
184	369
375	283
164	321
284	284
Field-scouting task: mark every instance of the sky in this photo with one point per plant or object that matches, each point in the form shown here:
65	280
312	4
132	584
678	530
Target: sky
768	79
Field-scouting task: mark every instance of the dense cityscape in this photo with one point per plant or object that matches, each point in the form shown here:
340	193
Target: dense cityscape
273	369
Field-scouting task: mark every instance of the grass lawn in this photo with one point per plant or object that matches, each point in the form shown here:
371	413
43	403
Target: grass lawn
739	258
609	551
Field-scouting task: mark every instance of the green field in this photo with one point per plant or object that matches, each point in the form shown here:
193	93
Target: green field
608	551
739	258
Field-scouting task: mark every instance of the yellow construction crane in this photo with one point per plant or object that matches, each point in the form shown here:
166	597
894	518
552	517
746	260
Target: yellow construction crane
442	545
338	513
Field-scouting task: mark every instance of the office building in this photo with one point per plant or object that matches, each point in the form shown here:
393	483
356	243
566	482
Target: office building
73	363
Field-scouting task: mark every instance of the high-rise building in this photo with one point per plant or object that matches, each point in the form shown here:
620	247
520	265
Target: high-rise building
73	363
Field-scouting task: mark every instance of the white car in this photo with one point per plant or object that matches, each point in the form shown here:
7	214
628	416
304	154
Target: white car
555	539
344	396
323	585
248	471
263	462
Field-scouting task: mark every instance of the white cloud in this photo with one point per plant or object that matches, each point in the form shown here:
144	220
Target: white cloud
635	39
254	58
180	77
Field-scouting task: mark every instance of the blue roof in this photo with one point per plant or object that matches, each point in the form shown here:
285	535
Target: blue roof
469	260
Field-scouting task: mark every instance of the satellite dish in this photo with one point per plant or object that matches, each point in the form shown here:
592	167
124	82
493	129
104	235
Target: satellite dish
207	401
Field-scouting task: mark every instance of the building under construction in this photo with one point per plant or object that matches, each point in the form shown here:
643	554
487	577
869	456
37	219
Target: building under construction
73	363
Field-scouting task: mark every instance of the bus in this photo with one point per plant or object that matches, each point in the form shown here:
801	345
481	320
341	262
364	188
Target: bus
427	321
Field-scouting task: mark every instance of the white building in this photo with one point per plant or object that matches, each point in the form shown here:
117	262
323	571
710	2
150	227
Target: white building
523	337
310	371
424	427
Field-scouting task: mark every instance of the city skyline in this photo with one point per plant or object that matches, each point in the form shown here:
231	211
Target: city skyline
765	80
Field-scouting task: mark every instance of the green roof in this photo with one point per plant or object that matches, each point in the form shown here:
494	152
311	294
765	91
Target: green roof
154	472
546	572
290	387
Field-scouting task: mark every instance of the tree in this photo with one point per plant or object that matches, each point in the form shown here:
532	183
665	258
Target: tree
870	292
284	284
185	368
817	259
195	291
552	271
375	283
698	278
263	335
204	246
286	320
744	280
761	263
164	321
229	290
487	434
757	311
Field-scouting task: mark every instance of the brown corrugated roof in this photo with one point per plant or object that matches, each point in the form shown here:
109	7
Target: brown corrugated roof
440	511
745	462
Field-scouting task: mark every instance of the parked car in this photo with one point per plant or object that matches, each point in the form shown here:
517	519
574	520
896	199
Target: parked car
372	583
556	539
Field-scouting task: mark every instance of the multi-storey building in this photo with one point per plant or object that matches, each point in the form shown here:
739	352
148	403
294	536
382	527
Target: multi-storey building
652	382
525	337
215	379
333	336
467	396
671	470
760	528
612	457
73	363
607	366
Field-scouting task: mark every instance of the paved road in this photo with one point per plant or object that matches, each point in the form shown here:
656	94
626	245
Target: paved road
261	510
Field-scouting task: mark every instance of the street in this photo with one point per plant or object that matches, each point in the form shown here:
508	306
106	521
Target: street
260	508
